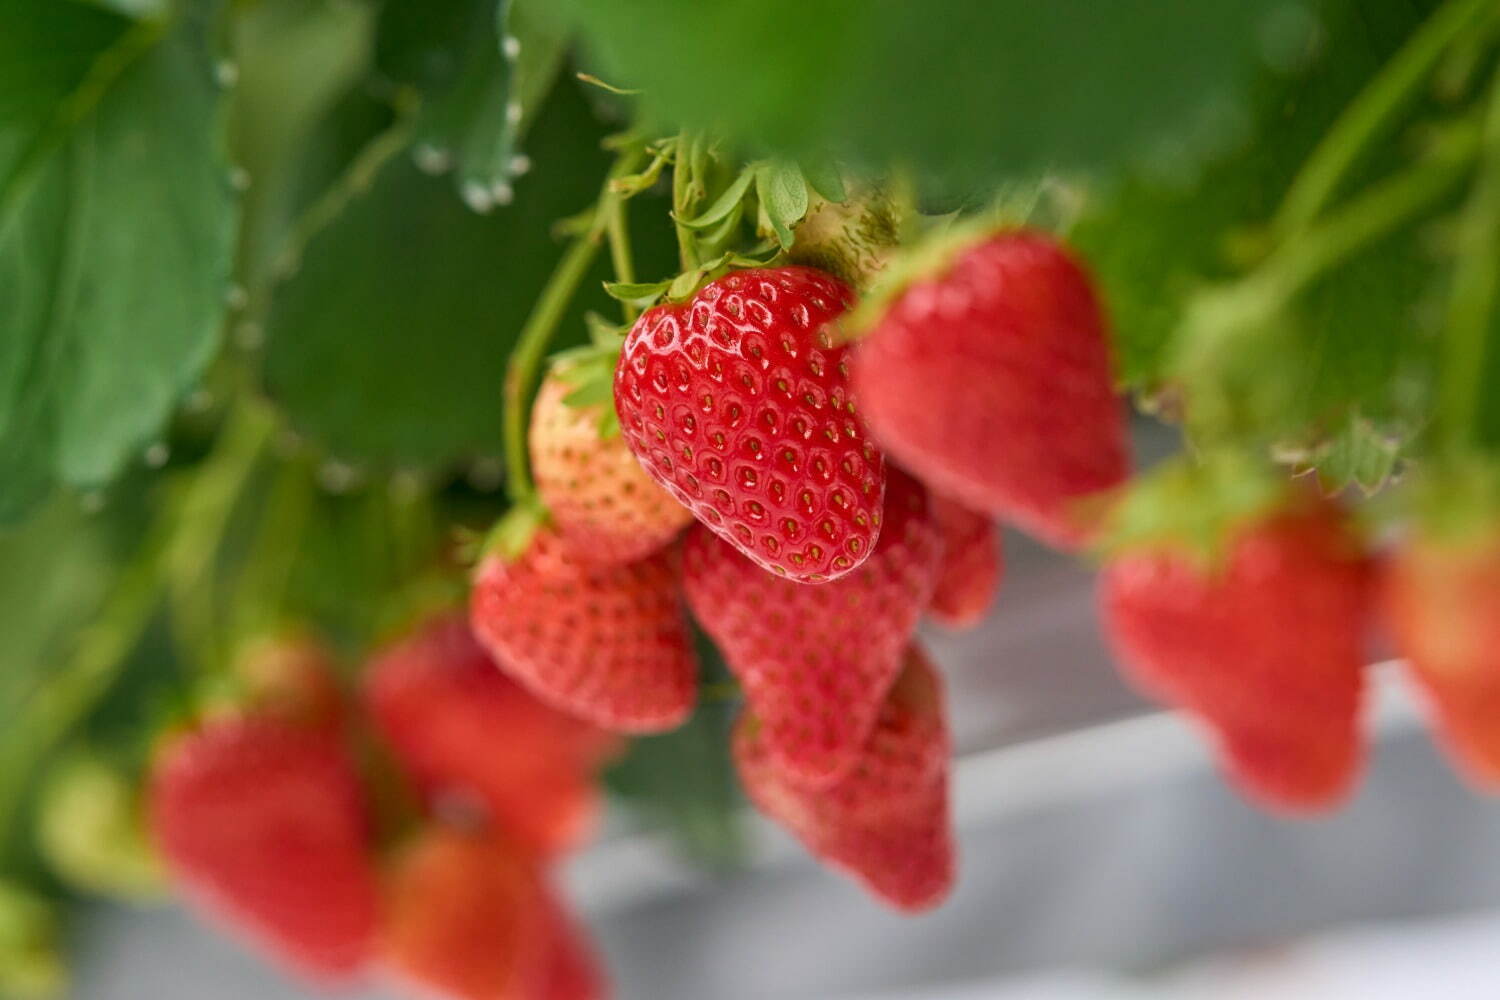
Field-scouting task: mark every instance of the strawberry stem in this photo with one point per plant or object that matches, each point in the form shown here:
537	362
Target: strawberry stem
1371	112
1475	293
546	316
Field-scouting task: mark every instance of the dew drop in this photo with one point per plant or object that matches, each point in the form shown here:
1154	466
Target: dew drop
236	298
478	197
432	159
519	164
502	192
156	456
226	73
511	46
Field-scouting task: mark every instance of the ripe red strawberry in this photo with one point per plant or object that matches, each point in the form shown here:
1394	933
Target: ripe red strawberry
602	503
609	644
816	662
1442	602
738	403
991	381
461	726
292	677
263	824
971	565
572	969
1264	644
887	821
467	918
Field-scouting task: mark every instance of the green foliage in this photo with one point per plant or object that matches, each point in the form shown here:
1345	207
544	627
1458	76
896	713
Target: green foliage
116	230
963	93
389	343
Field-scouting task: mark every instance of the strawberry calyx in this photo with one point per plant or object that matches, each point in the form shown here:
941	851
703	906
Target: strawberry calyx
1193	506
512	533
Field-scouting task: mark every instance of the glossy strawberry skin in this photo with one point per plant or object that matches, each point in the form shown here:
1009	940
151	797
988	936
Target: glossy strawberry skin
1267	648
467	918
1442	604
972	565
608	644
816	662
263	824
461	727
991	381
602	503
738	403
887	821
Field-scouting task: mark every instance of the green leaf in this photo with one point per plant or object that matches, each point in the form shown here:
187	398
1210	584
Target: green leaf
725	204
116	228
783	197
824	176
389	344
482	70
639	293
964	92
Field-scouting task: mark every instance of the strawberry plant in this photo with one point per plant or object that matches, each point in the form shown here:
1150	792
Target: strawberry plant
423	423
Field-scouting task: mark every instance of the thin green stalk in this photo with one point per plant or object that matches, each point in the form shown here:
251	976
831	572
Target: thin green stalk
542	323
1375	213
682	168
175	535
1371	112
1475	293
621	258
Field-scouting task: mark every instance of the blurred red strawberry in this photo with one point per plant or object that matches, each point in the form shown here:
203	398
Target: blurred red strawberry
293	677
991	380
263	824
972	565
1261	638
460	726
816	660
467	918
1442	603
609	644
887	821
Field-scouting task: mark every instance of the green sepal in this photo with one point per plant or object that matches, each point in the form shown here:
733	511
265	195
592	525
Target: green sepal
593	392
825	178
782	191
1194	506
726	203
641	294
512	534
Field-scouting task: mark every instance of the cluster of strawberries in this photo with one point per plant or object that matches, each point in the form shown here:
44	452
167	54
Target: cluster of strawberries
266	821
754	481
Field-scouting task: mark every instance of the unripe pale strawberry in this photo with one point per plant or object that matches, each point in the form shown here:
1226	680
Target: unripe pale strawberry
602	503
738	403
990	379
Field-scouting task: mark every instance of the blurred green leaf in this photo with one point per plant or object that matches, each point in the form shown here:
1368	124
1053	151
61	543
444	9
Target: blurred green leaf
389	343
116	229
965	91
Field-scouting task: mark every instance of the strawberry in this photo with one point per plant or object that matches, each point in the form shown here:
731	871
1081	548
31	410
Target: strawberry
609	644
738	403
817	661
440	701
1442	603
971	565
990	380
1262	640
887	821
467	918
263	824
571	968
602	503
